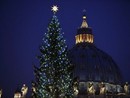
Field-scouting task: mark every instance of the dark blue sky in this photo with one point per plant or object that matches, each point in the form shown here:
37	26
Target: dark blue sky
24	22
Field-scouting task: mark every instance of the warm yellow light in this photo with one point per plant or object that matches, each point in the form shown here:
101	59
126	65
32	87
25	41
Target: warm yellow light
76	92
84	38
84	17
24	90
91	89
102	90
17	95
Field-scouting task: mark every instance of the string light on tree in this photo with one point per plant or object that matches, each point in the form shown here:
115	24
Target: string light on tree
53	77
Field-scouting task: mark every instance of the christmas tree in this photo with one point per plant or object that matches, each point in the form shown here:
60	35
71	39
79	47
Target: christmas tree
54	76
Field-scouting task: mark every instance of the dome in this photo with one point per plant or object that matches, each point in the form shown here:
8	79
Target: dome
92	64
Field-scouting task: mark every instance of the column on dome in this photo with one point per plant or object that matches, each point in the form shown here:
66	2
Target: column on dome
84	38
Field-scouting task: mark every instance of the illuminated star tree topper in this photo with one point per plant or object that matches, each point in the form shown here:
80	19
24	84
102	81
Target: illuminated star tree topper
54	8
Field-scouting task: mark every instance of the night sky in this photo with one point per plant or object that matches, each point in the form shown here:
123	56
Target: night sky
24	22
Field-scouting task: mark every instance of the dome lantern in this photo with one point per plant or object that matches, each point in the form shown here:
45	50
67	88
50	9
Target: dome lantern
84	33
84	23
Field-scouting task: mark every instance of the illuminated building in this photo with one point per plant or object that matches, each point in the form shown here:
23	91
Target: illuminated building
94	69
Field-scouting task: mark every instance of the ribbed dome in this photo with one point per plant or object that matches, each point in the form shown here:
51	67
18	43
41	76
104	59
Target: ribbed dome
94	70
92	64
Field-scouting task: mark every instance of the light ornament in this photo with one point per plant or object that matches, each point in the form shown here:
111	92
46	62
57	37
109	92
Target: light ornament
84	17
54	8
